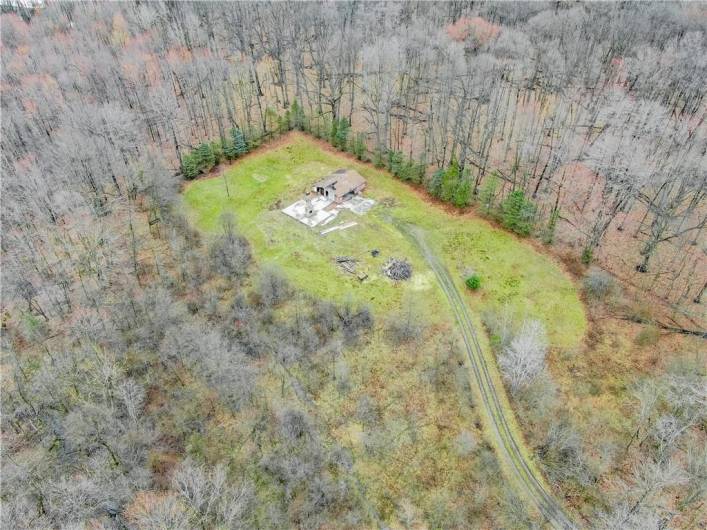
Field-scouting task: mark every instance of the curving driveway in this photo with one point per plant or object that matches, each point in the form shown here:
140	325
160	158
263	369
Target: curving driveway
529	481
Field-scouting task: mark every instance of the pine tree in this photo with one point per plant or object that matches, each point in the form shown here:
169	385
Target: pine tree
229	150
462	194
450	181
296	116
518	213
283	123
333	130
318	127
359	146
395	162
549	235
487	195
512	206
434	184
190	168
240	145
418	175
217	150
407	170
342	134
205	157
378	158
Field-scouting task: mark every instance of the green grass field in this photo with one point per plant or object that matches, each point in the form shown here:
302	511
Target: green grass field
511	271
410	457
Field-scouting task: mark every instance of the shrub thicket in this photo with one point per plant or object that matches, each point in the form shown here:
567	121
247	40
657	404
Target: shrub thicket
648	336
598	284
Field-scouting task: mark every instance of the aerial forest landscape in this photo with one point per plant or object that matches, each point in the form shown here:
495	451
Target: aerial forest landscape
353	265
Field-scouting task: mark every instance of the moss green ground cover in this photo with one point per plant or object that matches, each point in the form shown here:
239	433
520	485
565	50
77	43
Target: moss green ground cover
512	272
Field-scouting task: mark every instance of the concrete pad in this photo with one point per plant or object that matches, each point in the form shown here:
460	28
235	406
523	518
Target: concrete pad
358	205
298	211
325	210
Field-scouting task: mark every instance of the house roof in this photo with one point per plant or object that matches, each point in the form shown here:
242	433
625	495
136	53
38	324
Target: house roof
342	181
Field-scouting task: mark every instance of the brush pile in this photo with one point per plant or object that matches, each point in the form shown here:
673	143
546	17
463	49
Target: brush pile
397	269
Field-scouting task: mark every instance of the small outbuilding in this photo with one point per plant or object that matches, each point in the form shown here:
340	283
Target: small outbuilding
341	185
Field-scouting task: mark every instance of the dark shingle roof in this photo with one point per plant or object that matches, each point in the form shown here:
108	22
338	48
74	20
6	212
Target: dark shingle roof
342	181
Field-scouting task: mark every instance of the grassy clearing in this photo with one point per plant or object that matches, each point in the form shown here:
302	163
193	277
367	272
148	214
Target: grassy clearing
512	272
408	457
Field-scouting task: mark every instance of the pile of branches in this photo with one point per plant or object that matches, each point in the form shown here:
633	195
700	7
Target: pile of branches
397	269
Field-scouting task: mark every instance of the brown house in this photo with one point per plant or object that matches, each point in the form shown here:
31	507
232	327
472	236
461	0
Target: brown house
341	185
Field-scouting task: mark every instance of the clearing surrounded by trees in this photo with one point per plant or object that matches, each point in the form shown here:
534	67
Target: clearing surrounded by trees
541	291
353	265
514	273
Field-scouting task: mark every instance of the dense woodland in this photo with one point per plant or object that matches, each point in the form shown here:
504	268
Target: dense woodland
125	331
596	113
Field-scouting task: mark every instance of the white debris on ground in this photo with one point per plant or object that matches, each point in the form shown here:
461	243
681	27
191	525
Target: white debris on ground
358	205
323	211
332	216
342	226
317	215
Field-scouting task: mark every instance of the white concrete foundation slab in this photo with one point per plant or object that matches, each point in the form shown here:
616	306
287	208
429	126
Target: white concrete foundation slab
358	205
322	212
319	215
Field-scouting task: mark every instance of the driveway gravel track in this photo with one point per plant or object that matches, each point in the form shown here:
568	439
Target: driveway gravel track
529	481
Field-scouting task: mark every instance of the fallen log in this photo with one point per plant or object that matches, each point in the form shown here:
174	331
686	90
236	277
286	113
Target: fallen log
666	327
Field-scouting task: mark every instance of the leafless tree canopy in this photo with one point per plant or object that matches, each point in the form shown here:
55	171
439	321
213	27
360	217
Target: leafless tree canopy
127	336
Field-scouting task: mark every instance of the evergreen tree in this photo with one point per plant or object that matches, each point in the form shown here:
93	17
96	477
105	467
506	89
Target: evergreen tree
408	170
318	127
450	181
190	167
434	184
587	256
283	123
487	194
229	149
217	150
205	157
240	145
342	134
418	175
297	117
359	146
378	158
395	162
518	213
333	130
462	194
549	235
512	206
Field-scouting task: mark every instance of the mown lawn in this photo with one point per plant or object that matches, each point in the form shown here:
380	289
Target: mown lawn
512	272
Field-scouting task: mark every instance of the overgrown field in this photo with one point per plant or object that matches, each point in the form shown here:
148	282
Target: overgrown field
426	449
512	273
